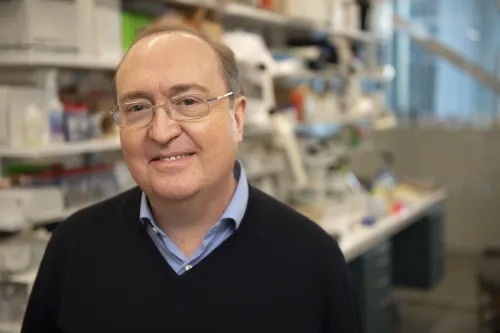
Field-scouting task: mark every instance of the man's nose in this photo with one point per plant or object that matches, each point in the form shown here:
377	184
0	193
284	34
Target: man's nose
163	128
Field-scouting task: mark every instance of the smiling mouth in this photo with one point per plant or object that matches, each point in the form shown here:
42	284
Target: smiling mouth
173	158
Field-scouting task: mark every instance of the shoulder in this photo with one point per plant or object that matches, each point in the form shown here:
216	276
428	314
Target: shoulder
102	215
282	216
287	226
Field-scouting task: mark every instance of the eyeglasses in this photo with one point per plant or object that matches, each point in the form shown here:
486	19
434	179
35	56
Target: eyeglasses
183	107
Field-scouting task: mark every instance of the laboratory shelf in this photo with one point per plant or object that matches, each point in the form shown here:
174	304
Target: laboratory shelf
59	216
59	149
329	128
253	13
361	36
266	16
29	58
264	172
210	4
304	73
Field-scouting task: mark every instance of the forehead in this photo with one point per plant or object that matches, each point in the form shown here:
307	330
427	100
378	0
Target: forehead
161	61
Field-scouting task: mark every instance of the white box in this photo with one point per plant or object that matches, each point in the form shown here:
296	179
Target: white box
14	101
24	205
49	25
107	23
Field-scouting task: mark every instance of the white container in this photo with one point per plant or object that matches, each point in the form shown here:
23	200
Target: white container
345	16
4	116
55	108
15	102
380	20
312	10
12	217
14	257
107	25
35	126
24	205
48	25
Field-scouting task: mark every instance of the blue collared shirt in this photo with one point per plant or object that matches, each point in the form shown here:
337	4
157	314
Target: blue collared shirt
218	233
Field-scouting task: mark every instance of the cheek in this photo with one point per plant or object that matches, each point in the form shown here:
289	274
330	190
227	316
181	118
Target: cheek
132	148
217	137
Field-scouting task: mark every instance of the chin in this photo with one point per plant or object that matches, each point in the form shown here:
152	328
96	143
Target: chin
175	189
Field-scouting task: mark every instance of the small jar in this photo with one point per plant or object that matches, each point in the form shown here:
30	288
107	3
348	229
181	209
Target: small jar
76	122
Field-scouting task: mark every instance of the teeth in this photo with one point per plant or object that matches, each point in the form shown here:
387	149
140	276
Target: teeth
173	158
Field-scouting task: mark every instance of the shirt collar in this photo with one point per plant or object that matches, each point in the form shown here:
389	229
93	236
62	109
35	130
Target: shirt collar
234	211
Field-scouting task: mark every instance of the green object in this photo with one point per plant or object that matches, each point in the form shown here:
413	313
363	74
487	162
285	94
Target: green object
24	168
131	22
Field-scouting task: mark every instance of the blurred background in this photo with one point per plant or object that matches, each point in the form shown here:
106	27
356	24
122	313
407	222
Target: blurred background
378	119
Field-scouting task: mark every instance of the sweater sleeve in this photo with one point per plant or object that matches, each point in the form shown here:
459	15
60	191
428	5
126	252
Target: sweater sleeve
343	314
44	302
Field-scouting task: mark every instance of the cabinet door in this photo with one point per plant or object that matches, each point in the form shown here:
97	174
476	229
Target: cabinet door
371	274
417	255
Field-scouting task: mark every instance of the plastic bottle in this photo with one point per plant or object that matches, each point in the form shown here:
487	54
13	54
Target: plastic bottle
380	19
376	207
55	108
384	186
35	126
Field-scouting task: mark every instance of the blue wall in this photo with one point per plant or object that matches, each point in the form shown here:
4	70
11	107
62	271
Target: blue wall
436	84
456	92
489	51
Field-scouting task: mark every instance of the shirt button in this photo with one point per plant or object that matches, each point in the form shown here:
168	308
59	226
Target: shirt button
188	267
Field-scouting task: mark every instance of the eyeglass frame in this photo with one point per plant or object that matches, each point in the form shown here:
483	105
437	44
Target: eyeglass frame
165	106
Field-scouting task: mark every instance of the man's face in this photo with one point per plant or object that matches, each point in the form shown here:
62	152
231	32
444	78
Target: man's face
156	69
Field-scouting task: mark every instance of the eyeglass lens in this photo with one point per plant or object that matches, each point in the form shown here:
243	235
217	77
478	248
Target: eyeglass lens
138	114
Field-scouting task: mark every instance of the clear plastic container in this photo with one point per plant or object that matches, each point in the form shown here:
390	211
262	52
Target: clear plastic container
55	108
384	187
35	127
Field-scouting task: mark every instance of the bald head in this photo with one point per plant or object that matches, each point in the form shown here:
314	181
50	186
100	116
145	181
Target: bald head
170	39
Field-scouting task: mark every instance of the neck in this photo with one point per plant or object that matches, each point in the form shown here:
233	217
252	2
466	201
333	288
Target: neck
187	221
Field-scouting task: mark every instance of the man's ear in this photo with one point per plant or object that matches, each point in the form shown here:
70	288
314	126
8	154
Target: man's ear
240	107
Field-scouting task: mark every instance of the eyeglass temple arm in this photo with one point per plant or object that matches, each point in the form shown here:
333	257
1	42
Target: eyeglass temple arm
220	97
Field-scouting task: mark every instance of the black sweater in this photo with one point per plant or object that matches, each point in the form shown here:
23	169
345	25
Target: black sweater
279	272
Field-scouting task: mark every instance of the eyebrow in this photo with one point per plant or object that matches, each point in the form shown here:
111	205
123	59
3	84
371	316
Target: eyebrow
134	95
183	87
172	91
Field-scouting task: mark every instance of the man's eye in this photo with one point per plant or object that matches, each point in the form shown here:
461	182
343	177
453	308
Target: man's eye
189	101
136	107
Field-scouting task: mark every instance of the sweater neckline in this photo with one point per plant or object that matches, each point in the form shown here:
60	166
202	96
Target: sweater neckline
210	262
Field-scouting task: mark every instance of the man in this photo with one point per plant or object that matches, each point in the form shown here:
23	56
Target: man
193	248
